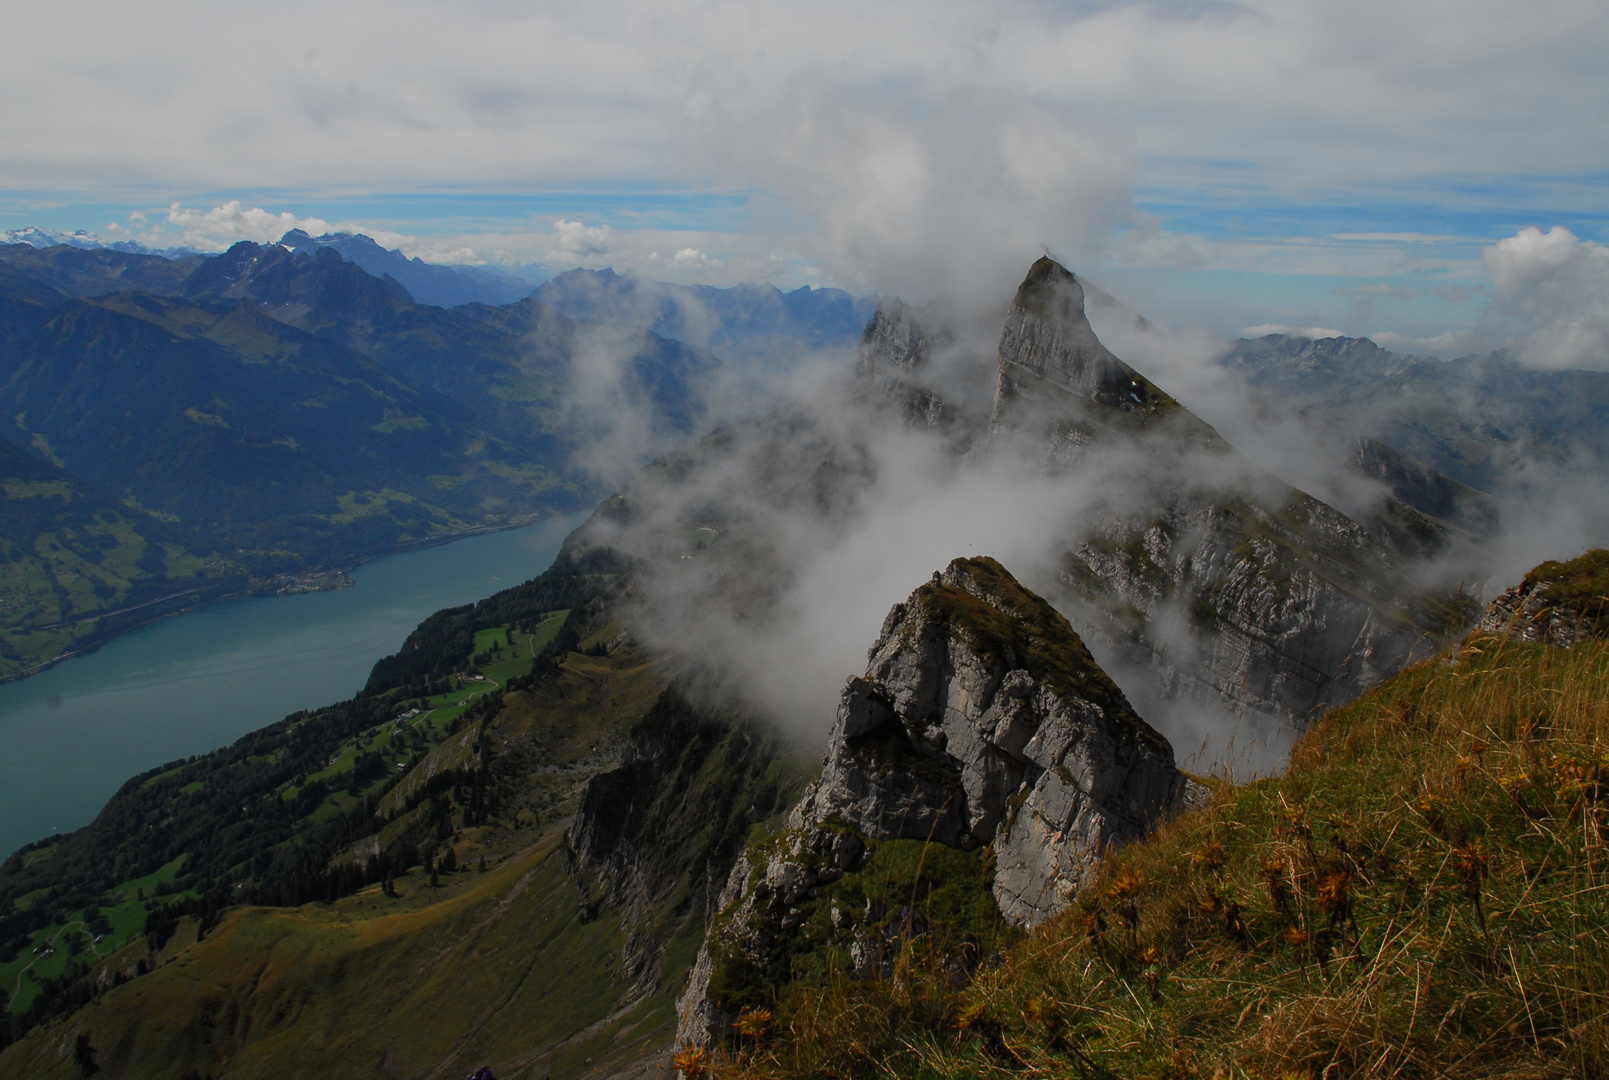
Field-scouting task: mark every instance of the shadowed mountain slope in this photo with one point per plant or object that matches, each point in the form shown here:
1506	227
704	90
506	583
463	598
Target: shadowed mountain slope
251	433
284	410
428	283
1481	419
748	323
80	566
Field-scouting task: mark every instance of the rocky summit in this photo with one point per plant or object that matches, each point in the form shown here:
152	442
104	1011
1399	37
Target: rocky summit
981	722
1222	583
1558	603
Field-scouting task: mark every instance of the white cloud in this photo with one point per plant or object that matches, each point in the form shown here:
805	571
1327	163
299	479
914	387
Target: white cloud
1313	332
1402	237
924	190
1459	342
1557	284
1395	292
216	229
410	94
575	240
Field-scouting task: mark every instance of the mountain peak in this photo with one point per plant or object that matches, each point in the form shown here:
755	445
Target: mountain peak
1048	336
982	723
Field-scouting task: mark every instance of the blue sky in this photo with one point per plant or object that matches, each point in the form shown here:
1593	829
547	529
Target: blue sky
1215	165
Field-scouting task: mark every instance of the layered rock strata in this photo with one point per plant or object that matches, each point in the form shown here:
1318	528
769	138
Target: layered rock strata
1187	562
981	720
1557	603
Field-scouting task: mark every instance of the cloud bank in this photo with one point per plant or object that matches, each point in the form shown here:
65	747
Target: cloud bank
1558	284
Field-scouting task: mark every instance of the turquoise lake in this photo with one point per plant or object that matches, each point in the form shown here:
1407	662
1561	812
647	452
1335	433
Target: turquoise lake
70	736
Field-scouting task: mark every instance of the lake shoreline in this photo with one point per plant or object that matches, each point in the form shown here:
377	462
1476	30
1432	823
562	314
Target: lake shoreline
70	736
95	643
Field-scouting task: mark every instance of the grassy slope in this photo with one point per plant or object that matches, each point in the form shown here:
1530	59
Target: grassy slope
69	555
523	966
327	989
20	978
1423	894
491	967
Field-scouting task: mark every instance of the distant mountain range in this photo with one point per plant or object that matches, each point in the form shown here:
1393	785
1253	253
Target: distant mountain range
36	237
427	283
281	407
266	412
1480	419
747	324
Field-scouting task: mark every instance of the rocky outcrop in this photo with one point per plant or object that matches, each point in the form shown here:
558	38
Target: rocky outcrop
894	362
1232	587
1058	390
981	721
1233	591
1557	603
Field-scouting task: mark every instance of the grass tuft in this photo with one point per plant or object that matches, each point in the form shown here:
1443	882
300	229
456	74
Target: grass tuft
1424	893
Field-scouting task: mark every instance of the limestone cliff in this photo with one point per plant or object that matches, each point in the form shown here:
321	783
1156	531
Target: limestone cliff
1557	603
981	722
1190	564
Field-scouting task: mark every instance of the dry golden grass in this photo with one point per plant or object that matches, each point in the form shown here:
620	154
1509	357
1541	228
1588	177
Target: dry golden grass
1425	893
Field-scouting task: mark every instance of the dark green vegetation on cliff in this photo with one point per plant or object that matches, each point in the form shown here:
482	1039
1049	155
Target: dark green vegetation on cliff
555	956
1422	893
1580	584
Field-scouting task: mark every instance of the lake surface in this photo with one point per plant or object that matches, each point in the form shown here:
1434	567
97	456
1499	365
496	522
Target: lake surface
70	736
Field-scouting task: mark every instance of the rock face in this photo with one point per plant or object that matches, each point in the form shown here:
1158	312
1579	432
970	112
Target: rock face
981	720
1557	603
1224	584
896	353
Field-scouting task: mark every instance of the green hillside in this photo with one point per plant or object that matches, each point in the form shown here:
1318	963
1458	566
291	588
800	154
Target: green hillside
250	434
1421	894
451	791
269	413
79	566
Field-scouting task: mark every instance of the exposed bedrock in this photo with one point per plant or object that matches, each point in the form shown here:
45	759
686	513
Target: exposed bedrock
981	720
1558	603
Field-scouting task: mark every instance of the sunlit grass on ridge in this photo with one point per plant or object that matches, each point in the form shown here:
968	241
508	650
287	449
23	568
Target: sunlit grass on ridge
1424	893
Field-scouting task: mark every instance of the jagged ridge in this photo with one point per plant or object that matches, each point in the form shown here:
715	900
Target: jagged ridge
981	722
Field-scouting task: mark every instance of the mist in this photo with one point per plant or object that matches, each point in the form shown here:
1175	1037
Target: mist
772	552
1549	503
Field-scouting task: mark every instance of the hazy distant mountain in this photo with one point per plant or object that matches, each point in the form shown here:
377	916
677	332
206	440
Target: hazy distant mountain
1477	418
277	410
36	237
77	271
428	283
745	323
538	374
296	402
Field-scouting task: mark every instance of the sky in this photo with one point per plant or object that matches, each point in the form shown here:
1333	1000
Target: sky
1432	174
